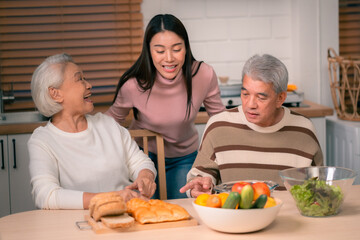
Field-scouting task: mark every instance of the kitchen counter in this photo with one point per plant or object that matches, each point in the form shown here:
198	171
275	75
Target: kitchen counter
308	109
289	224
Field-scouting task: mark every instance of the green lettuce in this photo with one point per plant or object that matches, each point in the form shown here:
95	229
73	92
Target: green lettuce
315	198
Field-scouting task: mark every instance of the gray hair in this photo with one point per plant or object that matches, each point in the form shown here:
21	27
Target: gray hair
268	69
50	73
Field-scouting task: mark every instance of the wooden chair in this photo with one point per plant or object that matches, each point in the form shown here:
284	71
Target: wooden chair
145	135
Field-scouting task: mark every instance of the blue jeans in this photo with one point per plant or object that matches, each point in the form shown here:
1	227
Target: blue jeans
176	171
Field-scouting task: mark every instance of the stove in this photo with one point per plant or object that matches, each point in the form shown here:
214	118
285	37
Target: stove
231	102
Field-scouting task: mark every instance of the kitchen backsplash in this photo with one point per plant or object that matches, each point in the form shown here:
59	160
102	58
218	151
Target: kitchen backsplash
225	33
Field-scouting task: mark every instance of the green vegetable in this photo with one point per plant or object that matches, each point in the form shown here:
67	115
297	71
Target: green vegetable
232	200
260	201
247	195
316	198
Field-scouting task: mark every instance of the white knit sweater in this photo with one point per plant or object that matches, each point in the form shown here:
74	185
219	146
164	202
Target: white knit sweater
64	165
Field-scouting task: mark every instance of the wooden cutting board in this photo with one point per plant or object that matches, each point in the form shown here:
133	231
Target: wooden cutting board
99	227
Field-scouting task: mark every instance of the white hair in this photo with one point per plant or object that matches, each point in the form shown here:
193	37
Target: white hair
50	73
268	69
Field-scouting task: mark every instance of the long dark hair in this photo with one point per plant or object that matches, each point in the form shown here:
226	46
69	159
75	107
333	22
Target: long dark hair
144	70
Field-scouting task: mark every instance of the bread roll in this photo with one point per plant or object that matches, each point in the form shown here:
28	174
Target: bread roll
135	203
155	211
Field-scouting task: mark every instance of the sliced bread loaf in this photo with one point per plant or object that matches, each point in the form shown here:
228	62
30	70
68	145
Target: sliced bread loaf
118	221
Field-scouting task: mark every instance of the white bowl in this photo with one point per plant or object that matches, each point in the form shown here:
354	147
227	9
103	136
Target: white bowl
237	220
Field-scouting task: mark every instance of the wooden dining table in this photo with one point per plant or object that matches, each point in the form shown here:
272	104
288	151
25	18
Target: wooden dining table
289	224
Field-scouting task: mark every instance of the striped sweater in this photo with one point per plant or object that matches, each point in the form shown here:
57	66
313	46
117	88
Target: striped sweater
234	149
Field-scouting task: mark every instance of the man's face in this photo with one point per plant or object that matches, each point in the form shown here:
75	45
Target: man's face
260	103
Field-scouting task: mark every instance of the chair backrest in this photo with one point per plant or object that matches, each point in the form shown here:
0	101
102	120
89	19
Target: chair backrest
145	135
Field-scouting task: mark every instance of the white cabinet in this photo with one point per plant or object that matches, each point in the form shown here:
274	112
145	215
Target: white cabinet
4	178
15	189
343	144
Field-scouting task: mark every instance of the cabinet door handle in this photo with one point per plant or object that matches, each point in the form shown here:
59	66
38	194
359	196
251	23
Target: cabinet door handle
14	146
2	155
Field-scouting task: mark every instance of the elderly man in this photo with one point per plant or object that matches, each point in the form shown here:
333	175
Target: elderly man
257	139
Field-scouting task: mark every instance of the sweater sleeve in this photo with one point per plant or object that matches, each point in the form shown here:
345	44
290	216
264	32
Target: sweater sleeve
122	105
46	189
212	102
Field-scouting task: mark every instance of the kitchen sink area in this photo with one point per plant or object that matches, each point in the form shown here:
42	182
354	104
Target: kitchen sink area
21	117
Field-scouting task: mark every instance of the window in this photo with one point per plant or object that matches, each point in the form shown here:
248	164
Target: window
349	41
349	27
103	36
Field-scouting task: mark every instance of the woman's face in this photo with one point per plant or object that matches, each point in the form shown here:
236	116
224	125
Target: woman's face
75	91
168	53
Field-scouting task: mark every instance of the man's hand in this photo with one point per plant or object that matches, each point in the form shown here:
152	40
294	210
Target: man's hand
198	186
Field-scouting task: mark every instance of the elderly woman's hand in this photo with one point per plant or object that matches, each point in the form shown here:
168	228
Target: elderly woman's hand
144	183
128	194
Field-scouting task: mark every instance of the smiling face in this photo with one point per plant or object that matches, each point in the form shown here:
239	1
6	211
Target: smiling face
260	103
75	91
168	53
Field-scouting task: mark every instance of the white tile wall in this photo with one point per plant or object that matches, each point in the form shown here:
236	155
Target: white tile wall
225	33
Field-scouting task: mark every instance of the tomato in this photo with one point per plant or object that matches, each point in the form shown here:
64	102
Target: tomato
237	187
260	188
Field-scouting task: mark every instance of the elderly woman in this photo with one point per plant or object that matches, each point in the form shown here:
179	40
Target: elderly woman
76	155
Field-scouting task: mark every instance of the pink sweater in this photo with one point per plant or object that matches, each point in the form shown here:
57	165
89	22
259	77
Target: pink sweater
165	110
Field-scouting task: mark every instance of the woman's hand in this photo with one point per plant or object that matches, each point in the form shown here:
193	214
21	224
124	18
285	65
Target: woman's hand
128	194
198	186
144	183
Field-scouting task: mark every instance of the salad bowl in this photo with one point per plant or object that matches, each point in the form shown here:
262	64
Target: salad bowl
318	191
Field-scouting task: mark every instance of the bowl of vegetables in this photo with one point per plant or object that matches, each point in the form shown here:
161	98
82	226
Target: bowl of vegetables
318	191
247	208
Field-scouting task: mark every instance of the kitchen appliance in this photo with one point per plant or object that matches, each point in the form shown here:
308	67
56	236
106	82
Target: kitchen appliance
230	94
293	99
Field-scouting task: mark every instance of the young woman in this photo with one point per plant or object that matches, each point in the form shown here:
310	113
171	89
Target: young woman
166	88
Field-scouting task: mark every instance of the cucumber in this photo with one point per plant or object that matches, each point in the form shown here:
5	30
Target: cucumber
247	195
232	200
260	201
